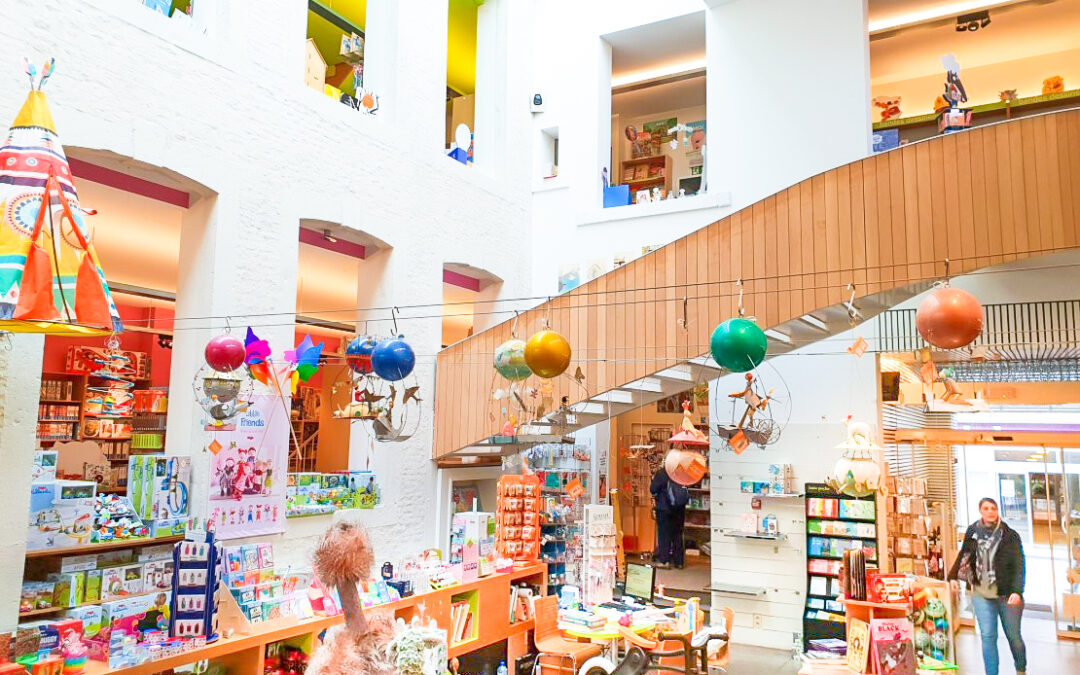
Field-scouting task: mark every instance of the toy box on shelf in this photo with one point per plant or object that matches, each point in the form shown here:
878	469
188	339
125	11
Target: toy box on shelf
159	489
472	544
61	514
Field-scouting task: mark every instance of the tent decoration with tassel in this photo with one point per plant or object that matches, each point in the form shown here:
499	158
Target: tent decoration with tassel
50	277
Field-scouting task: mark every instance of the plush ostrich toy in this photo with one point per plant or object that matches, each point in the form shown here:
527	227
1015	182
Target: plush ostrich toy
342	559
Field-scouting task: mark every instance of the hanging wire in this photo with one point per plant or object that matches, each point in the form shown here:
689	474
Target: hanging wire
547	300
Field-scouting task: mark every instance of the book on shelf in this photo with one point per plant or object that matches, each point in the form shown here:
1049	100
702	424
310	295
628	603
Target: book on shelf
628	173
893	646
460	621
641	172
858	645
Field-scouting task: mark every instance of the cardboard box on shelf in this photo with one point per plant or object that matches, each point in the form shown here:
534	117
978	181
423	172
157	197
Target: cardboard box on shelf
61	514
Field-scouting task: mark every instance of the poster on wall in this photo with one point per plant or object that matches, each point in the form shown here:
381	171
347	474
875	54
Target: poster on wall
660	130
569	277
695	138
248	467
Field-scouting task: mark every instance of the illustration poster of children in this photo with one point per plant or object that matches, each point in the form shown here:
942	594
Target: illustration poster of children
248	469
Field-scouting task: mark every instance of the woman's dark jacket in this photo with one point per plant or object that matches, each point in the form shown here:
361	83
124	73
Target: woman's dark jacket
1008	562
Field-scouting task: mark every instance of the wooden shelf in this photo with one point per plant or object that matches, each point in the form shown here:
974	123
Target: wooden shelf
1020	104
654	179
39	612
651	159
750	535
56	419
892	606
59	400
106	546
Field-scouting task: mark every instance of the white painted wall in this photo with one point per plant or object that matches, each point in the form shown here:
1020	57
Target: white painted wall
814	416
787	87
228	109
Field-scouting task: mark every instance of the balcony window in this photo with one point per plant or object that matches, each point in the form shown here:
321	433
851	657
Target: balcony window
334	56
461	79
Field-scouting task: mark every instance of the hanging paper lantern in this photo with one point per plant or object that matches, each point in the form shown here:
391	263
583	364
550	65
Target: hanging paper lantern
738	345
547	354
224	353
393	359
949	318
510	360
856	473
358	354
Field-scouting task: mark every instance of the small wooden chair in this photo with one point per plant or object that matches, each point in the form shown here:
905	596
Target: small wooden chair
556	654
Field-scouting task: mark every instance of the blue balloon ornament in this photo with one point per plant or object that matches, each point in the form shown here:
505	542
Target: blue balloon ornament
358	354
393	359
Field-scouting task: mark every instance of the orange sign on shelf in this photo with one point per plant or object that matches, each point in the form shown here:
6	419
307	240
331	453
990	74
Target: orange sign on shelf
575	489
739	442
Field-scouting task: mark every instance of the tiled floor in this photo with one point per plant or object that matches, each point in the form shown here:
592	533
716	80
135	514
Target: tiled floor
1046	654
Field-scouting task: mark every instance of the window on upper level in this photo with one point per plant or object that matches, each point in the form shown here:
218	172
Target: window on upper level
461	79
334	57
658	130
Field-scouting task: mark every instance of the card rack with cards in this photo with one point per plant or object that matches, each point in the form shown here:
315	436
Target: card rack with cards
195	582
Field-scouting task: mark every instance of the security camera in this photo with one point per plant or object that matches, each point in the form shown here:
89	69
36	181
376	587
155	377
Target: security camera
537	103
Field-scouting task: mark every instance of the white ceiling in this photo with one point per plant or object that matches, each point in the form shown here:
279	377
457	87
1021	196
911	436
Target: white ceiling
655	45
660	98
1014	33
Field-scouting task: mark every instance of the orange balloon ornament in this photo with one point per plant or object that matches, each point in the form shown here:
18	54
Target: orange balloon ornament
547	354
949	318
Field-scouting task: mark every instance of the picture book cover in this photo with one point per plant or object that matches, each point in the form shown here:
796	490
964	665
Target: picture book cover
893	648
858	645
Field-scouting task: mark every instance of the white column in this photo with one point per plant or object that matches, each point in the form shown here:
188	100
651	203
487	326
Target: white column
20	384
236	260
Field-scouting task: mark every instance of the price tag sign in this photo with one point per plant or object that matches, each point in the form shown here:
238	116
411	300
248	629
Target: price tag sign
858	348
215	446
739	442
575	489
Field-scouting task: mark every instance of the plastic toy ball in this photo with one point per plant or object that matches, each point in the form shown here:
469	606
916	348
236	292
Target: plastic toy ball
949	318
358	354
224	353
510	360
393	359
738	345
547	354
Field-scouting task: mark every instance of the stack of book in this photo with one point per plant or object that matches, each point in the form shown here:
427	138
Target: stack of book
521	603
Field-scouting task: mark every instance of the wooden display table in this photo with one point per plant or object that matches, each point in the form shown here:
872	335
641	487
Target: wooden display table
244	654
865	611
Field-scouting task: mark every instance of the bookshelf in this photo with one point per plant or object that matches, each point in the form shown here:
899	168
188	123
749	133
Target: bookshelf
834	522
645	173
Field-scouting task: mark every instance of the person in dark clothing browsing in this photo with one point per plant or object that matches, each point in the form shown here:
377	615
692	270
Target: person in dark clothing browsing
991	560
671	500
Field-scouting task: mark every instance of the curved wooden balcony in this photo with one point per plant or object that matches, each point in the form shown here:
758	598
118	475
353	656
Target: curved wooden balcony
886	224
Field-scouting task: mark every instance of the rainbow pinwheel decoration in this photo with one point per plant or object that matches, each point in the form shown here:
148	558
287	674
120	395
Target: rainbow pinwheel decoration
257	356
300	364
305	357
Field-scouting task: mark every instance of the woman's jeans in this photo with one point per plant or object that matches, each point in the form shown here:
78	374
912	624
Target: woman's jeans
987	612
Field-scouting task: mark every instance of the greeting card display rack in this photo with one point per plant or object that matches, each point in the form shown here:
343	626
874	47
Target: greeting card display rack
916	523
600	554
196	561
834	522
558	465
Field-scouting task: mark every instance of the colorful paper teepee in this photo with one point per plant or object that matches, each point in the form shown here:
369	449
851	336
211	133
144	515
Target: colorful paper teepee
50	278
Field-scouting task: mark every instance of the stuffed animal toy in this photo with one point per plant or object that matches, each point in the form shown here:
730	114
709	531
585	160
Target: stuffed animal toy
1053	85
342	559
940	104
890	106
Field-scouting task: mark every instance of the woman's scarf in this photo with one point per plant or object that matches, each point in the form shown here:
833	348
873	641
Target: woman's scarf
987	540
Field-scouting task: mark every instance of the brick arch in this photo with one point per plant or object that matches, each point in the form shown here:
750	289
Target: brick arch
885	223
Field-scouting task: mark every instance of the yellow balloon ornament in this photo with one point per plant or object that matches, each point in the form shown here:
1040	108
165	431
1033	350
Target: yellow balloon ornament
547	354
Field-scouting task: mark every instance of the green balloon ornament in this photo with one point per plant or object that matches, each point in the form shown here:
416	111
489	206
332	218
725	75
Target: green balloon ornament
738	345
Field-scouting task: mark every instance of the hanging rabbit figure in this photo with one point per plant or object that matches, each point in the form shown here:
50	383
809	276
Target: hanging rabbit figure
954	88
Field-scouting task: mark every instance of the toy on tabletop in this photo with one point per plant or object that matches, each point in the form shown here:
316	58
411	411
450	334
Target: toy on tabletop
1008	97
890	106
59	288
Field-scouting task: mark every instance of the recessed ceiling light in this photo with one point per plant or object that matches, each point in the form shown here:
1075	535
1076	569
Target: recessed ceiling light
329	237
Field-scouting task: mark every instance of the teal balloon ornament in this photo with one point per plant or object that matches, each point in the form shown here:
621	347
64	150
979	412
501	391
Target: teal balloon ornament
510	360
393	359
738	345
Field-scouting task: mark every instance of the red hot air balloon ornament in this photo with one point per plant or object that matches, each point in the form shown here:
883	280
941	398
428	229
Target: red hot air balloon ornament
949	318
684	464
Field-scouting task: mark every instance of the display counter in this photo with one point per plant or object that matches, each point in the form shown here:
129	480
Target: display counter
490	596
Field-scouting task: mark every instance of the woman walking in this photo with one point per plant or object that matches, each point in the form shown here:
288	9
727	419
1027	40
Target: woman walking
991	560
